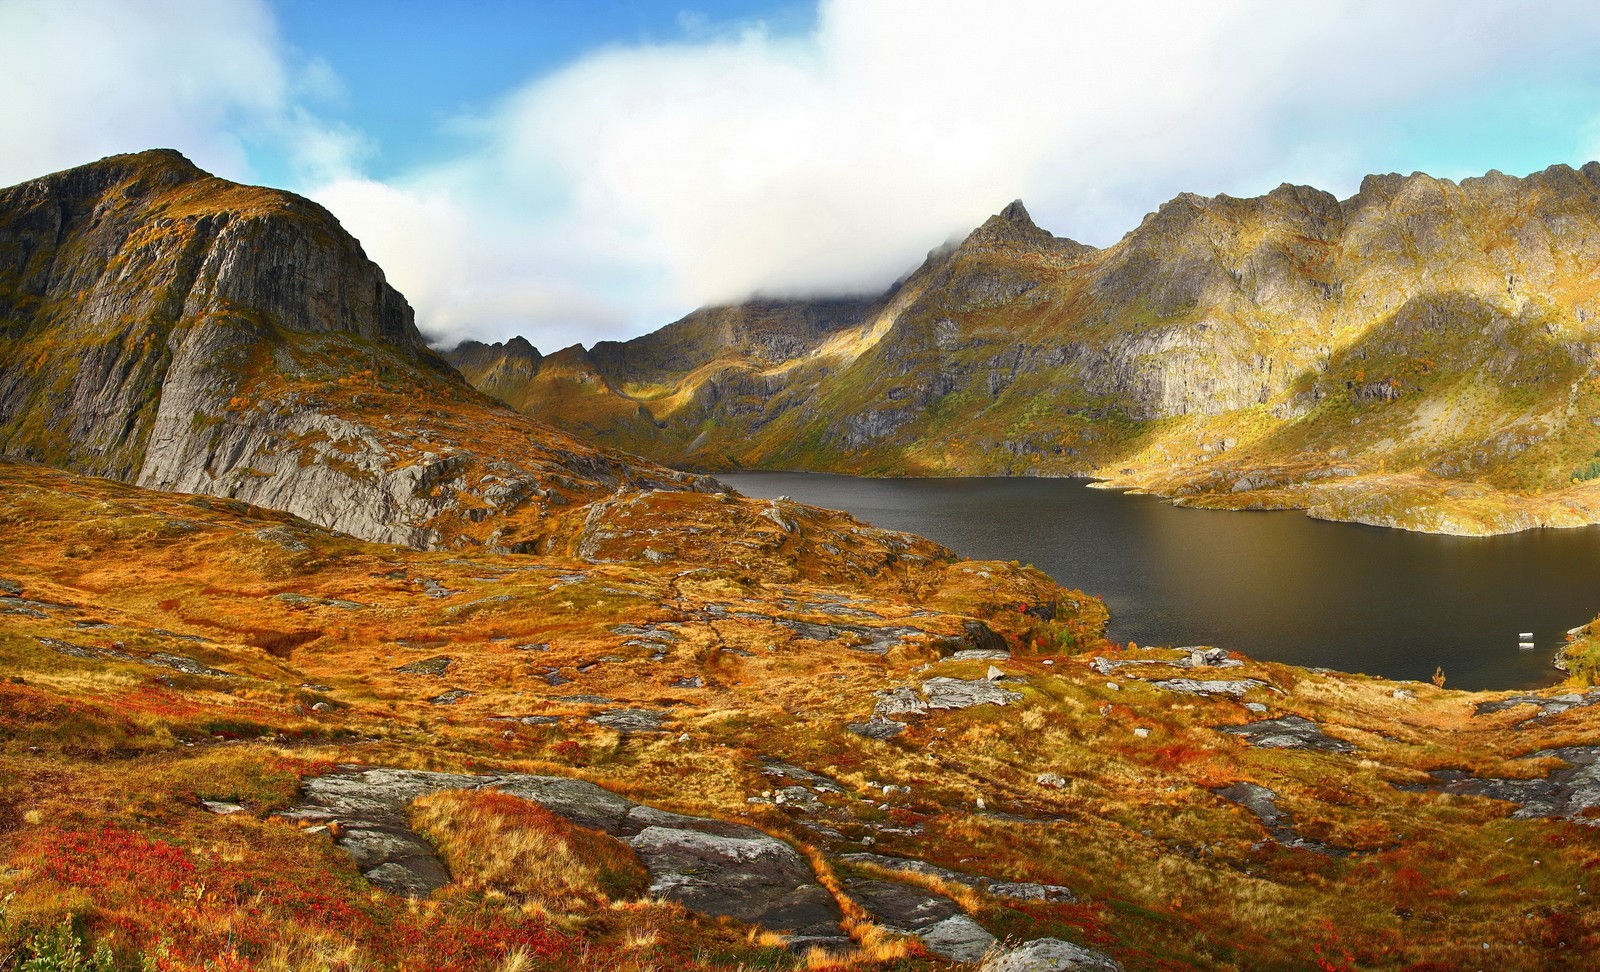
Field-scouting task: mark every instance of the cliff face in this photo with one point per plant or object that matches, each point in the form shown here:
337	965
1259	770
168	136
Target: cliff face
1422	354
165	327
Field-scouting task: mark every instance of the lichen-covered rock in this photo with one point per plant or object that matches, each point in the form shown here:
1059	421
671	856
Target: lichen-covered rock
1051	955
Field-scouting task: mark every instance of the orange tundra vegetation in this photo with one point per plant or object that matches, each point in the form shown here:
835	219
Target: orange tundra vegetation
166	657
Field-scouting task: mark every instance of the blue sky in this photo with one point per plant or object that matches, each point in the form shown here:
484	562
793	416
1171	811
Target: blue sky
410	68
576	171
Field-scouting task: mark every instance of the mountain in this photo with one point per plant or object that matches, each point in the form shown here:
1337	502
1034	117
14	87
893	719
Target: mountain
1422	355
168	328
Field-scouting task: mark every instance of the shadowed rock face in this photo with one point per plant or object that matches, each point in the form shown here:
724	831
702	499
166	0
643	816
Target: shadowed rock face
164	327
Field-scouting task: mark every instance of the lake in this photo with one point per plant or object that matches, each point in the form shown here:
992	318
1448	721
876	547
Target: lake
1274	585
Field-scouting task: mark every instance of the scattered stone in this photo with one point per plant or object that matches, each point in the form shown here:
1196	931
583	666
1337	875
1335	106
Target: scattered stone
555	678
586	699
630	720
994	674
796	796
69	648
981	654
692	681
1255	707
782	770
1207	657
1051	955
1142	732
221	808
1188	686
450	697
1406	695
958	693
10	586
435	666
531	647
1288	732
1053	780
323	707
877	728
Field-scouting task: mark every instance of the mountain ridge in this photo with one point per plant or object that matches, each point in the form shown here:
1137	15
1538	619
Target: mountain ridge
1224	352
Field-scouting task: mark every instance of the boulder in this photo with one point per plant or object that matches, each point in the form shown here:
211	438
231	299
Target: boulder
959	693
1288	732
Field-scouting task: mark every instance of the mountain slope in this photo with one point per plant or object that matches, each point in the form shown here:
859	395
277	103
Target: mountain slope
162	326
1422	354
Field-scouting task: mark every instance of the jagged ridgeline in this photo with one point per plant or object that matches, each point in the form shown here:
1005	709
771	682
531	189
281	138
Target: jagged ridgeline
1422	354
168	328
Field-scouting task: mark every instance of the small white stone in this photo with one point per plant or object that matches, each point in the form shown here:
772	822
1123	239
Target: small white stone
1142	732
1113	686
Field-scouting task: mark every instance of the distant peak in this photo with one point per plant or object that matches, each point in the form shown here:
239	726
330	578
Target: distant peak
1016	212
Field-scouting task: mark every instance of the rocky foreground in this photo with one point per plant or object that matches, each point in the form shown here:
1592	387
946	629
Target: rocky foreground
232	739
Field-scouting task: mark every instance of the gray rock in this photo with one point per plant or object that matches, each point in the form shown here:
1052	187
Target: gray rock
221	808
900	701
1051	955
1547	705
711	866
1288	732
630	720
1015	890
435	666
958	938
1189	686
958	693
1569	792
981	654
877	728
450	697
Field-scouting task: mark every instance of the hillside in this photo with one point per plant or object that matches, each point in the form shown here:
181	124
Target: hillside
232	740
164	327
1420	355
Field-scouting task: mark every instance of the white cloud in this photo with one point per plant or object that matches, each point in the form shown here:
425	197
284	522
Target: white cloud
656	178
80	79
640	181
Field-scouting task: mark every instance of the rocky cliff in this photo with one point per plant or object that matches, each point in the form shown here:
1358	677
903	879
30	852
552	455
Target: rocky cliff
162	326
1422	354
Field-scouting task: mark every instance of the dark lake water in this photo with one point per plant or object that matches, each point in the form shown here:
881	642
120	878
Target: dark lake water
1274	585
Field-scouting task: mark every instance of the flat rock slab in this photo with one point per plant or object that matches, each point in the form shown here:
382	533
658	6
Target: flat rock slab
1235	687
1567	793
1548	705
960	693
1263	803
1015	890
714	867
1288	732
1051	955
981	654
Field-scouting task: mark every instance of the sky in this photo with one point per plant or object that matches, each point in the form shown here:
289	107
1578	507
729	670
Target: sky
584	170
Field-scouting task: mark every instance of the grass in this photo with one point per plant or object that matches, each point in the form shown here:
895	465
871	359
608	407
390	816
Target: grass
104	753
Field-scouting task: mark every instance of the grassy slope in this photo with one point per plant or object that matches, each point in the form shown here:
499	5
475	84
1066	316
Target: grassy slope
102	762
1435	346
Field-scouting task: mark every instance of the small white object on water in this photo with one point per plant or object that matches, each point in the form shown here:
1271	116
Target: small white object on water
1525	635
1526	645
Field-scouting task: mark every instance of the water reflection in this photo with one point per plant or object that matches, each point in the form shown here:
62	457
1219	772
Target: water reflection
1274	585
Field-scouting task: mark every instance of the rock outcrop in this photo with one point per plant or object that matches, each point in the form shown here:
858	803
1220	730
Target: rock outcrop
165	327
